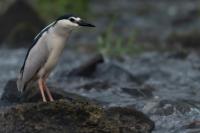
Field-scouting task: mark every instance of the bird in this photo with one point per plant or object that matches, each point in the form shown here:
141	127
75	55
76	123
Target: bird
44	53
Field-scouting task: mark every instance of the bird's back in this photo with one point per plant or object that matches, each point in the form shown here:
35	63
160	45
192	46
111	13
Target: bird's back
36	58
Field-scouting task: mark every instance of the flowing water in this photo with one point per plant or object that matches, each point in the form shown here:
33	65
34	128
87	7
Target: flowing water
169	92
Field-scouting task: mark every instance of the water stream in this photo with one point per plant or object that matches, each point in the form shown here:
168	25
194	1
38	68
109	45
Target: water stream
174	82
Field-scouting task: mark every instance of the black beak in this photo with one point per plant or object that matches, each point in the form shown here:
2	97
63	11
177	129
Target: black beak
86	24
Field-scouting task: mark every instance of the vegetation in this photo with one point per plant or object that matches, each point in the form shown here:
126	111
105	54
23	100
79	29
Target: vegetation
49	9
115	46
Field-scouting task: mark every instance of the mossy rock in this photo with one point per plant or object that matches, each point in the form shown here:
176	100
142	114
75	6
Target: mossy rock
62	116
70	113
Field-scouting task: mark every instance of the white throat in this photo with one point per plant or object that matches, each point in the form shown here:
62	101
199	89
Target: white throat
61	30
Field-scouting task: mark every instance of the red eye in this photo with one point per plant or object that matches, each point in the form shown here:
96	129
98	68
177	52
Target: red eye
72	20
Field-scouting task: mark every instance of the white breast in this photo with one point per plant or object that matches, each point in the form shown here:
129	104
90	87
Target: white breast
55	44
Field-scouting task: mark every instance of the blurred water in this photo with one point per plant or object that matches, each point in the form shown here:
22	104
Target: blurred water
10	63
175	80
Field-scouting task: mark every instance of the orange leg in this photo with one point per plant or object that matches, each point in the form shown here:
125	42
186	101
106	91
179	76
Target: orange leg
40	83
47	90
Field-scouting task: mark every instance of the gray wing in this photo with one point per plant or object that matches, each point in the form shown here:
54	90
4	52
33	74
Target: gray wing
36	58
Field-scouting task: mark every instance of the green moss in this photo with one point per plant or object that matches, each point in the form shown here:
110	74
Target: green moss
113	45
59	117
49	9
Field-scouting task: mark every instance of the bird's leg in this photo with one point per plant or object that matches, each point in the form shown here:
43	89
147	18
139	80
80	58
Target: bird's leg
42	89
47	90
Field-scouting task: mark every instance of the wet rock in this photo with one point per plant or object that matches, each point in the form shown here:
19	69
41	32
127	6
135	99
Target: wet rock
71	114
178	55
56	117
185	39
108	72
12	96
127	118
86	69
114	73
96	68
65	116
168	107
192	125
143	91
100	75
186	18
97	85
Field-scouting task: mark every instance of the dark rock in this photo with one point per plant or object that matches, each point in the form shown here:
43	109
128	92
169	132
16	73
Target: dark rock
130	120
12	96
100	77
179	55
97	85
56	117
107	72
186	18
192	125
101	74
72	114
65	116
115	73
144	91
87	68
168	107
19	24
189	39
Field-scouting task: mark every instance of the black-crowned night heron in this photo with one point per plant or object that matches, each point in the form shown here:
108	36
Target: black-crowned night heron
43	55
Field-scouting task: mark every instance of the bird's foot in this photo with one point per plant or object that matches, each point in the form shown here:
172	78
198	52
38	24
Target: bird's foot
47	91
41	87
49	94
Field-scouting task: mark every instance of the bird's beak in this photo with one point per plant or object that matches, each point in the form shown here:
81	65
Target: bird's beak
86	24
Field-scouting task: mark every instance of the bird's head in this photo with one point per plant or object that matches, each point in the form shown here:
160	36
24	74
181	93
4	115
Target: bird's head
72	22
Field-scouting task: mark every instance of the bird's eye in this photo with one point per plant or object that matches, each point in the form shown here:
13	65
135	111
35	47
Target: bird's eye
72	20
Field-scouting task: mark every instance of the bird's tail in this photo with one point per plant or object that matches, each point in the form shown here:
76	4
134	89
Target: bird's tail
20	84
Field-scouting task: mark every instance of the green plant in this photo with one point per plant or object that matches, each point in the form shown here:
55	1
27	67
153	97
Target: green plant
116	46
50	9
